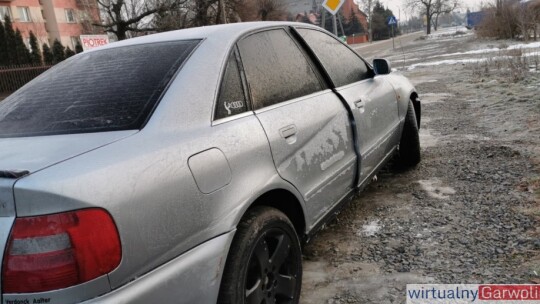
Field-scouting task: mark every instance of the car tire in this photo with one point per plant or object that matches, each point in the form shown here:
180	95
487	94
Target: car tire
409	145
265	261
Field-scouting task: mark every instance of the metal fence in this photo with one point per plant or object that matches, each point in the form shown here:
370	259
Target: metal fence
14	77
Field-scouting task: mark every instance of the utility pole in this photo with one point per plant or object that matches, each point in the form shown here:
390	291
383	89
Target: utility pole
334	24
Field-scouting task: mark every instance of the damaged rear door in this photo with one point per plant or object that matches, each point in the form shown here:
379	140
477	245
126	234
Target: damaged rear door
306	124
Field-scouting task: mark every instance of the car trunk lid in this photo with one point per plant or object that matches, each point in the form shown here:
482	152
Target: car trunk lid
25	155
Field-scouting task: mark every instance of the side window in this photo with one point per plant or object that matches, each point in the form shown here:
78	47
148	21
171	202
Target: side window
231	98
343	65
276	70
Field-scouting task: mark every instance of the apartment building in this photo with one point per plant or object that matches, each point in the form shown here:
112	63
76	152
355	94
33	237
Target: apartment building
64	20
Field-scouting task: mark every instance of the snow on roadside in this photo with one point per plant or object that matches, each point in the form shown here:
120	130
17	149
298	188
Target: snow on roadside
451	31
446	62
464	61
520	46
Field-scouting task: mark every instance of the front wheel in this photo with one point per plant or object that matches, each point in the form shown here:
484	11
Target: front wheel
264	265
409	145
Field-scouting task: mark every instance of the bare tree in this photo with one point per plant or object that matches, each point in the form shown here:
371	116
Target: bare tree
528	18
501	22
367	7
270	9
426	7
536	8
431	9
123	16
443	7
499	5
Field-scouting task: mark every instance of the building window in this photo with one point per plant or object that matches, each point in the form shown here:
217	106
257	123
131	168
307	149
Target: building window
24	14
70	16
4	11
74	42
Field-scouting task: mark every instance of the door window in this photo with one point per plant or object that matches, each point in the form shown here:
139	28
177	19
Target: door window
276	69
342	64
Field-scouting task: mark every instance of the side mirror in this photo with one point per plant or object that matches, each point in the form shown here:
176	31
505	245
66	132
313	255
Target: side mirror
381	66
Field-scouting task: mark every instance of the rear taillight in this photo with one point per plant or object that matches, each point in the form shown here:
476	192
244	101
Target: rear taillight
60	250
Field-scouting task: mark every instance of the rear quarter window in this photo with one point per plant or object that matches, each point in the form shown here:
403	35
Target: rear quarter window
108	90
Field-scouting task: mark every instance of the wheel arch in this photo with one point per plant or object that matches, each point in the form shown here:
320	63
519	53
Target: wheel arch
286	202
417	107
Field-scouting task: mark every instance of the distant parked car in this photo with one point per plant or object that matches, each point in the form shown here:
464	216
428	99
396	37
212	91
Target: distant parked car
188	167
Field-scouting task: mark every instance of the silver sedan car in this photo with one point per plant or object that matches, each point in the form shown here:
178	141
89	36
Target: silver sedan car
190	166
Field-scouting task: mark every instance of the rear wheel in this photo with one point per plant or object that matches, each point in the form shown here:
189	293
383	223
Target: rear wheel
409	145
265	261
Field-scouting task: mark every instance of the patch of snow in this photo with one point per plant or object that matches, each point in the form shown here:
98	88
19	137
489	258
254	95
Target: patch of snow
448	62
371	228
476	137
427	140
520	46
428	98
533	45
435	189
464	61
451	31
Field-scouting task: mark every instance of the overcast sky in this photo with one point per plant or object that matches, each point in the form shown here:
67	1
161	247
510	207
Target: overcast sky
397	5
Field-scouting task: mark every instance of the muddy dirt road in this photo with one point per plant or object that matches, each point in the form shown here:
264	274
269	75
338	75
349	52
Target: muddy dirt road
470	212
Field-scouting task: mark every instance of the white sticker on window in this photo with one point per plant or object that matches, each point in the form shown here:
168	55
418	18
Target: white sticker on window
233	105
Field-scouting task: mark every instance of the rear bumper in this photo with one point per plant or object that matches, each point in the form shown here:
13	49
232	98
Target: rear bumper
194	277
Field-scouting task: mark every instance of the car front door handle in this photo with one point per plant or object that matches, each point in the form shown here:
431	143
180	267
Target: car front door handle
359	104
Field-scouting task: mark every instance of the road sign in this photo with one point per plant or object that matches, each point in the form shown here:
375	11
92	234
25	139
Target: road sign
333	6
392	21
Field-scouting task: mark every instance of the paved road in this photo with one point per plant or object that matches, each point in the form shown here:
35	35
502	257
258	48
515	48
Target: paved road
370	50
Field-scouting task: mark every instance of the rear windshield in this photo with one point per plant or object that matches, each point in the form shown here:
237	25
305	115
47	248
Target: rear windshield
108	90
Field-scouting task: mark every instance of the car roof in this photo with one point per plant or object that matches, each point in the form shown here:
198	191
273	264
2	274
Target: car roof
223	32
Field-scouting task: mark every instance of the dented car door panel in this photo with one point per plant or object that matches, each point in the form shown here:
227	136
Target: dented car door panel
321	161
375	110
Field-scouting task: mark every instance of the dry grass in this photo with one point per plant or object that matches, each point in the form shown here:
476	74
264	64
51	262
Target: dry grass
512	65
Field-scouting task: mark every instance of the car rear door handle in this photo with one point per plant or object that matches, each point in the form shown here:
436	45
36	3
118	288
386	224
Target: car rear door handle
289	134
359	103
288	131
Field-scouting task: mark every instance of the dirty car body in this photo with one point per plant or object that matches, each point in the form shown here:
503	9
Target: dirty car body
226	119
